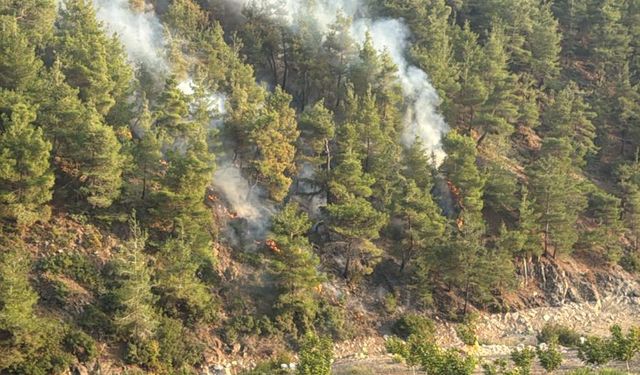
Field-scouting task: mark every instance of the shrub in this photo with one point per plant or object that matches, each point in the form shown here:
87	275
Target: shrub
413	324
556	333
595	350
467	331
630	262
430	357
549	356
523	358
316	355
177	346
143	353
81	345
625	347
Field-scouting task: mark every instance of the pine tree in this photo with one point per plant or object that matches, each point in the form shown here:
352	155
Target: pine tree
340	50
544	44
557	194
35	18
26	179
352	216
181	293
99	162
317	131
275	136
421	222
147	153
461	170
19	65
295	267
91	61
498	112
568	115
137	320
604	237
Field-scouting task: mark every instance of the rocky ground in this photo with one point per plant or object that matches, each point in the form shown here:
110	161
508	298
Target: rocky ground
587	302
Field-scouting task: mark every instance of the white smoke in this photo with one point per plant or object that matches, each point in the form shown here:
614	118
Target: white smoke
422	119
245	200
141	33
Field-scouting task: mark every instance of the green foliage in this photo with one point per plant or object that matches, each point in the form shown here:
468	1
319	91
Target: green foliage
595	350
81	345
625	346
555	333
316	355
413	324
26	178
296	269
549	356
523	358
431	358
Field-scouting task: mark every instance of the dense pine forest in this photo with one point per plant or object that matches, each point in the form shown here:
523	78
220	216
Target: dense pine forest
185	181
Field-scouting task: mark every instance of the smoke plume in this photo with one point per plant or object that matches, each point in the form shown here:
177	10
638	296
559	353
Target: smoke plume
421	119
141	33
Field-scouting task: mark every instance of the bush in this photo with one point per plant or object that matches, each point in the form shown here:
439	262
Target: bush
556	333
316	355
81	345
413	324
630	262
549	356
330	321
523	358
467	331
178	347
431	358
595	351
143	353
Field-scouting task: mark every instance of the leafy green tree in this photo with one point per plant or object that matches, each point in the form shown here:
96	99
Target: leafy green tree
557	194
26	178
296	268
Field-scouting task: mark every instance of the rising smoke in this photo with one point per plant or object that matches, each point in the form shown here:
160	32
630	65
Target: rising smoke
141	33
421	119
